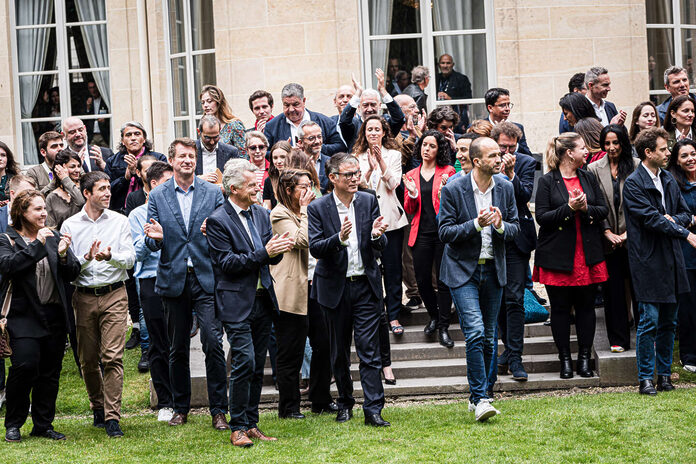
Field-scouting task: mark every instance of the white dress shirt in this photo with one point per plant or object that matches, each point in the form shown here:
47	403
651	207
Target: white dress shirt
293	127
484	200
679	136
209	159
112	230
600	111
657	182
355	264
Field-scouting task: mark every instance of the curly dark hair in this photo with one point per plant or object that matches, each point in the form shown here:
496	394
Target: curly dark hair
444	151
388	141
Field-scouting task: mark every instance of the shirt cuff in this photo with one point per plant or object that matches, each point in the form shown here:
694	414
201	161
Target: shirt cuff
502	229
354	101
477	225
413	196
345	244
387	99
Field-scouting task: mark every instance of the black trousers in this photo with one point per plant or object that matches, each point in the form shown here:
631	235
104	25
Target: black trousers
358	311
33	379
391	264
133	300
178	312
564	298
384	343
158	354
320	366
427	251
511	315
687	322
614	292
291	336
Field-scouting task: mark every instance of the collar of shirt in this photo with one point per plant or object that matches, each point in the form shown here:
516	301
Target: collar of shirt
236	207
474	185
179	189
104	216
210	152
340	204
494	122
653	177
46	168
678	135
596	106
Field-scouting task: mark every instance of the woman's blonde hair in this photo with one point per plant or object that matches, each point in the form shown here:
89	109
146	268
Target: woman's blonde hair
558	146
224	112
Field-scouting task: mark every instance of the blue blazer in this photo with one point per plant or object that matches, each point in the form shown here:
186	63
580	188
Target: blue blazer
235	262
224	153
278	129
462	241
523	185
611	110
349	124
182	240
332	257
522	146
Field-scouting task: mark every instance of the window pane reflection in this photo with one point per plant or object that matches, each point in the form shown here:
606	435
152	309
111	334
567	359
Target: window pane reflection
688	12
203	73
660	55
181	129
179	87
176	26
688	53
202	28
394	17
397	58
658	11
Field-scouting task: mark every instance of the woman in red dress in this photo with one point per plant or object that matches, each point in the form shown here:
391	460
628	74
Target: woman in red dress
569	258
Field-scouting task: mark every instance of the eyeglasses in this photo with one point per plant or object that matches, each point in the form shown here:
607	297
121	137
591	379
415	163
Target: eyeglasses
505	105
256	147
508	148
209	138
312	138
350	175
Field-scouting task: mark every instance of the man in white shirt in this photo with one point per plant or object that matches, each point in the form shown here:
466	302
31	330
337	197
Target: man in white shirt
103	244
598	86
212	154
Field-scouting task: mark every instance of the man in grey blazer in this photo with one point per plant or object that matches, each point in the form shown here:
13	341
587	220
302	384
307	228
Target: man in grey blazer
177	211
477	217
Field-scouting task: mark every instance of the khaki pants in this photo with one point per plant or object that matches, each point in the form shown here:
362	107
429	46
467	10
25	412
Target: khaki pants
101	334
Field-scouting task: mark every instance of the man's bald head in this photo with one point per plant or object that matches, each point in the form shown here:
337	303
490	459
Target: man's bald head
343	95
407	104
75	133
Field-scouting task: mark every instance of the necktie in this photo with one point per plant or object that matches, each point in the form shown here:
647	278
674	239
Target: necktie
256	239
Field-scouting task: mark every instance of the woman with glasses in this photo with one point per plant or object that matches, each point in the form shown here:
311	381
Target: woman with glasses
279	156
232	129
256	147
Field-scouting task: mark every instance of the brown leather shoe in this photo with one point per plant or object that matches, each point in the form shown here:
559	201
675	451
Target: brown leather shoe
257	433
220	422
239	438
178	419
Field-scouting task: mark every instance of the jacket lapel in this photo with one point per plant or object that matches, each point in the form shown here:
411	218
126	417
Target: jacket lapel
333	212
234	217
199	196
560	185
468	194
222	156
357	203
650	186
174	204
607	185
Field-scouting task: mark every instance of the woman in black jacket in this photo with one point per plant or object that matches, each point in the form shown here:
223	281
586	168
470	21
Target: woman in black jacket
37	261
569	259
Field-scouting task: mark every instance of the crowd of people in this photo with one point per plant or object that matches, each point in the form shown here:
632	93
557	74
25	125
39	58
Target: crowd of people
308	229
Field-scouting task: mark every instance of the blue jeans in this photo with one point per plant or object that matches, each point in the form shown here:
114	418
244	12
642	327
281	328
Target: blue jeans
478	302
144	335
655	339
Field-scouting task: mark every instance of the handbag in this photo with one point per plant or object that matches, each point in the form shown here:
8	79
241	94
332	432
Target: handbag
5	350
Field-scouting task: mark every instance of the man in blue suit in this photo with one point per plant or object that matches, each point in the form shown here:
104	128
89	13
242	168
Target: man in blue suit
211	154
285	126
345	234
478	217
519	169
242	246
598	85
177	211
499	107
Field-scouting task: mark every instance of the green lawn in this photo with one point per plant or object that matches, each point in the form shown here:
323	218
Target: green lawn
609	427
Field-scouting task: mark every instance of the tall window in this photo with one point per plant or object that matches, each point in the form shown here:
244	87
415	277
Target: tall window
671	41
400	34
191	49
61	64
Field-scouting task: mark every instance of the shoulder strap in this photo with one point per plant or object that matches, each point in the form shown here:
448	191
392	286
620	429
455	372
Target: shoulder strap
8	295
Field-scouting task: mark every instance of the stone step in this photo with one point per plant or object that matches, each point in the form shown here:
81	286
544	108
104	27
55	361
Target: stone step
415	334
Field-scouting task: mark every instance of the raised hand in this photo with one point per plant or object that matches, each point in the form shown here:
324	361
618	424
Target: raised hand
485	217
449	135
95	154
346	228
379	227
43	234
410	185
306	197
261	124
356	85
93	250
154	230
61	171
509	164
497	220
381	87
132	162
64	244
279	244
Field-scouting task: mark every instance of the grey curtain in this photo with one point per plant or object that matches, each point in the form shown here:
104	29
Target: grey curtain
96	43
380	24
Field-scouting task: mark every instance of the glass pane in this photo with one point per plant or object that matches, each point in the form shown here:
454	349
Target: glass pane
36	49
39	96
394	17
31	131
176	26
660	55
688	53
688	12
467	114
202	28
181	129
659	11
203	73
90	93
85	10
32	12
658	99
180	87
451	15
87	47
98	131
467	77
398	57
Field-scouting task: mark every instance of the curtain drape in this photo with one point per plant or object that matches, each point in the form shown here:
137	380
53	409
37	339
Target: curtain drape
32	46
96	43
380	24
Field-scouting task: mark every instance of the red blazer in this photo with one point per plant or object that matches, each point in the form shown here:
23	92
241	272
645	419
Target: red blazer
413	205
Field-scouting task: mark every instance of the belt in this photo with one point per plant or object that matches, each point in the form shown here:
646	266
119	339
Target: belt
356	278
100	291
485	261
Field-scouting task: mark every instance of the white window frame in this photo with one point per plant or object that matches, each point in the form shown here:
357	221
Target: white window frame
60	25
188	54
676	27
426	37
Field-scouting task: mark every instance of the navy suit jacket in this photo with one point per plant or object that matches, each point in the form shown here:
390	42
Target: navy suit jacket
611	110
224	153
181	240
236	264
278	129
522	146
332	257
462	241
349	124
323	178
523	185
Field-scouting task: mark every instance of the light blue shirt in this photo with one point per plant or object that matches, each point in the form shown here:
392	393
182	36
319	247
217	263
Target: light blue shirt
185	199
146	260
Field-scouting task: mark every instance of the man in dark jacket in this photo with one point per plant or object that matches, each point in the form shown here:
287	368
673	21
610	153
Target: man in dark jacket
656	220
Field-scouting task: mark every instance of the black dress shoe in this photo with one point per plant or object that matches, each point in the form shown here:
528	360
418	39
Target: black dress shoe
292	415
344	415
414	302
566	365
50	433
583	363
134	339
430	328
113	430
664	383
98	418
143	364
647	388
194	327
536	296
319	409
376	420
12	435
444	338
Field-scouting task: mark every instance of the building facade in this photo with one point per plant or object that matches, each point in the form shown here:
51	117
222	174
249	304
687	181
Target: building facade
112	61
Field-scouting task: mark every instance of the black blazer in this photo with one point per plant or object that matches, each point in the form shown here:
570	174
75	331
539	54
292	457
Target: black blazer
556	243
332	257
225	152
28	317
523	184
236	264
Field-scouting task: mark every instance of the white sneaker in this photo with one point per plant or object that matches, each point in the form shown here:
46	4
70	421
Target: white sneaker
2	397
687	367
485	411
165	414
